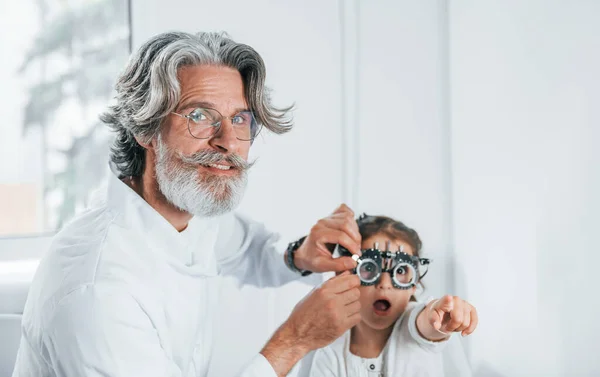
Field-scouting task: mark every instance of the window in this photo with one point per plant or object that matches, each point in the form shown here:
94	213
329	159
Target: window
60	61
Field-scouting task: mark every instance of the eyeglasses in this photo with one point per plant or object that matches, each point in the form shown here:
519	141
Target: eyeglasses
405	270
204	123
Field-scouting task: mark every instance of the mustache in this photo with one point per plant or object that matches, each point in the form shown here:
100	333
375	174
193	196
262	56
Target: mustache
206	157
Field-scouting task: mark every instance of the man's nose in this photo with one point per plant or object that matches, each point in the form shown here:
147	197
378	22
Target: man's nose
225	140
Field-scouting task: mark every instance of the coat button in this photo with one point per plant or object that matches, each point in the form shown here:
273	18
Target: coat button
372	366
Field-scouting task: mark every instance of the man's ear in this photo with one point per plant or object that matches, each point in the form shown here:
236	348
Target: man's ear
141	141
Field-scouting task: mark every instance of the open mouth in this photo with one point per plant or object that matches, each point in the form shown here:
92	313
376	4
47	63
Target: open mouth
381	306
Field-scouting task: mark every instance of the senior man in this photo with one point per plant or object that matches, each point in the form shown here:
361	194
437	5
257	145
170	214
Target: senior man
129	287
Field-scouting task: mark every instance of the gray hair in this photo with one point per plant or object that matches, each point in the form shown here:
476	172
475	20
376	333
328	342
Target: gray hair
148	90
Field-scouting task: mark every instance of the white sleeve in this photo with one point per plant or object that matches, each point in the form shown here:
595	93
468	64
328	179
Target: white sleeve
326	363
99	331
29	363
248	251
416	336
452	361
258	367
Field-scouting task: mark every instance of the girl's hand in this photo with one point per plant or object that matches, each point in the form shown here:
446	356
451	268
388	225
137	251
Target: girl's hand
446	315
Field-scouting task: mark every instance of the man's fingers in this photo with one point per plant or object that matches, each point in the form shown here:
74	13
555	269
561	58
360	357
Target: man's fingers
343	225
346	222
337	236
474	321
353	320
352	308
328	263
346	263
336	277
342	283
350	296
343	208
350	228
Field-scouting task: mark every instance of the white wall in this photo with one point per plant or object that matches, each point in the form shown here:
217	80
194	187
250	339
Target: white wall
525	162
403	164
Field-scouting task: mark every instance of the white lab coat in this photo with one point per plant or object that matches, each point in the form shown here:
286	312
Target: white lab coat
406	354
122	293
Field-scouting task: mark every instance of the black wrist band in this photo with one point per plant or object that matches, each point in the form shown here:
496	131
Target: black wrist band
291	249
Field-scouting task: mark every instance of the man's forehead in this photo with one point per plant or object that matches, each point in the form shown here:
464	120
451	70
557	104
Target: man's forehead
194	104
209	73
212	86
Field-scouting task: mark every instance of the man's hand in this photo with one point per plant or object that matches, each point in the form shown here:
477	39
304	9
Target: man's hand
319	319
315	254
327	312
446	315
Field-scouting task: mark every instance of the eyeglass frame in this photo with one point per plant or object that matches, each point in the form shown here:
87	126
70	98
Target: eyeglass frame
412	260
415	260
220	122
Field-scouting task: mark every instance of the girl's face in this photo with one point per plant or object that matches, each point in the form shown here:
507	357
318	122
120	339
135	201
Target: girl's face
382	303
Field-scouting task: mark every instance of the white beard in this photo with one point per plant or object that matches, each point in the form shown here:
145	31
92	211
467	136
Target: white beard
204	195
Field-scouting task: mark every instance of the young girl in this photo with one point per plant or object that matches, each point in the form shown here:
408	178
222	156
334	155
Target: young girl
397	336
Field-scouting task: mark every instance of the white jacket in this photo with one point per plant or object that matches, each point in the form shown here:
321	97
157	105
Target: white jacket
121	293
